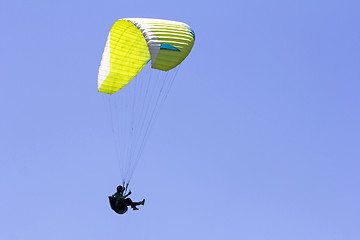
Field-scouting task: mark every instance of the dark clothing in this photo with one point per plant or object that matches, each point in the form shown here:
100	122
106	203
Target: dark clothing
121	206
119	201
117	205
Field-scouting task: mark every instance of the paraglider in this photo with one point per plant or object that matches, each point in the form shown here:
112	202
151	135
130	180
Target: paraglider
148	52
120	202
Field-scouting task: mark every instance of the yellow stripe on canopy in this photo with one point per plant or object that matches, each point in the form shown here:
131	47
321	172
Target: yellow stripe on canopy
128	55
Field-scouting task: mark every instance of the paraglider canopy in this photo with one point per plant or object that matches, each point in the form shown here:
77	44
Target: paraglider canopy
132	42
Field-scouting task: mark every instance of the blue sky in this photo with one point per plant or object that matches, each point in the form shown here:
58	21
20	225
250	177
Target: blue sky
258	139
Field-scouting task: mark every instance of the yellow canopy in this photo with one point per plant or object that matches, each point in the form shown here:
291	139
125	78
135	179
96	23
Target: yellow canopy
132	42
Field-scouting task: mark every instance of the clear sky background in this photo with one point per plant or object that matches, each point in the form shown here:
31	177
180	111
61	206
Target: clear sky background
258	139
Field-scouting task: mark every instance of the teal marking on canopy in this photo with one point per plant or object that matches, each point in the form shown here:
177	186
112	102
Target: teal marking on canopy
168	47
